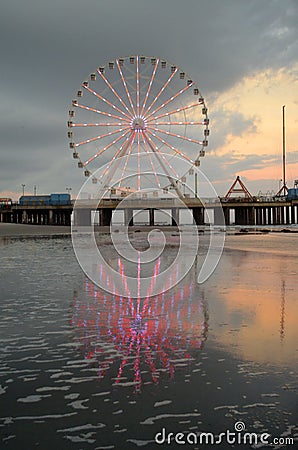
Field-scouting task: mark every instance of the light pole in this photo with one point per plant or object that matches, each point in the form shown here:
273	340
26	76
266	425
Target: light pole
283	190
35	190
23	187
196	185
283	150
68	189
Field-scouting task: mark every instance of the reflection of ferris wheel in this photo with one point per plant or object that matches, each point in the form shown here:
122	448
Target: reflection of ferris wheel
141	107
154	336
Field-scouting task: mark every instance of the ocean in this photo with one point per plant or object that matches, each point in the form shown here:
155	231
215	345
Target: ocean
82	368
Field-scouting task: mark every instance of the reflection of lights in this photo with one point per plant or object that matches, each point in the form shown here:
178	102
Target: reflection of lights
154	334
282	311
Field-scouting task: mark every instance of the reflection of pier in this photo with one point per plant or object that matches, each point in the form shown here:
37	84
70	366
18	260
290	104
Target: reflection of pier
141	338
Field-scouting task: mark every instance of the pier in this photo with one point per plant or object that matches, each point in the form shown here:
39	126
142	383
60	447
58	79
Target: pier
36	215
226	211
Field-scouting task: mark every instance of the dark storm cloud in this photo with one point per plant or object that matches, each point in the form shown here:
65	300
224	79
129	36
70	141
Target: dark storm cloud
48	44
48	47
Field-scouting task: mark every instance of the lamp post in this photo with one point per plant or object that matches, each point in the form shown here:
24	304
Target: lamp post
284	149
196	185
283	190
23	187
68	189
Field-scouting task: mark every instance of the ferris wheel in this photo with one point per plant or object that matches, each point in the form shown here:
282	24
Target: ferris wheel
134	115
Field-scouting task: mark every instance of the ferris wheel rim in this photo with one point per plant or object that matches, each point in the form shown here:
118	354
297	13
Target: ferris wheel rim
136	118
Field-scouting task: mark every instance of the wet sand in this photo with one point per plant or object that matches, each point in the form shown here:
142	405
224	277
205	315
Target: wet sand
275	241
18	229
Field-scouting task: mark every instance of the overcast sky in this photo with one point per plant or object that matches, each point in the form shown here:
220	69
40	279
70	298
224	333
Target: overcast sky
243	55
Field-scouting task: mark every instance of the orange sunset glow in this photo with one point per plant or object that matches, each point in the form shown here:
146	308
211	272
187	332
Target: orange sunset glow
259	100
259	305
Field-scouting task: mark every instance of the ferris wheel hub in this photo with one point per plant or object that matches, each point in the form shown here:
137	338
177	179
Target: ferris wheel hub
138	124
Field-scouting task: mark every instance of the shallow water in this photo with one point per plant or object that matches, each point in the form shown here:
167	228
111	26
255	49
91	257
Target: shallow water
83	369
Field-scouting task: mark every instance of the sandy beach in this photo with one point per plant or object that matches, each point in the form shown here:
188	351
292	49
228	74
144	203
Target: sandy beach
234	240
17	229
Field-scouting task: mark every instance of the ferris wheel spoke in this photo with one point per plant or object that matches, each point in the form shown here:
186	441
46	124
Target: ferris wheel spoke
115	93
161	91
107	101
120	152
106	148
150	159
169	133
102	124
161	157
171	99
104	113
174	111
125	87
180	123
173	148
125	165
149	86
87	141
137	86
139	163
